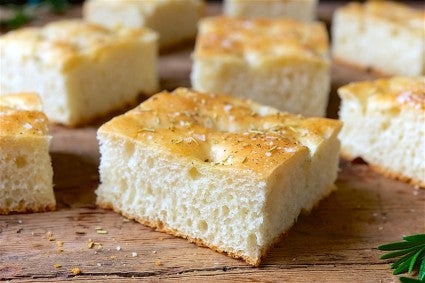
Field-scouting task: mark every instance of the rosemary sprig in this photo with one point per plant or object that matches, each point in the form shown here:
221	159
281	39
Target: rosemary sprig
411	257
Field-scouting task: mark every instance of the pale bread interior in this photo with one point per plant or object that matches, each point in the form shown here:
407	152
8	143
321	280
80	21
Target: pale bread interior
369	41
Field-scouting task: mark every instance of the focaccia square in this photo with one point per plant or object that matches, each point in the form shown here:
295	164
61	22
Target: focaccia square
225	173
277	62
384	123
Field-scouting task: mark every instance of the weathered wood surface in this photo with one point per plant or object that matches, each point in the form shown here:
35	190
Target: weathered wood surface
335	243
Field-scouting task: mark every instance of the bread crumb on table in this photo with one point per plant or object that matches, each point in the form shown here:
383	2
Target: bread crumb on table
90	243
50	237
76	270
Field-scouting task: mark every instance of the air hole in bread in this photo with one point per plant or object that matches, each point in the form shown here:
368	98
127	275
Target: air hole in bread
202	225
20	162
123	185
128	151
225	211
252	240
149	190
393	111
194	173
394	32
21	205
61	110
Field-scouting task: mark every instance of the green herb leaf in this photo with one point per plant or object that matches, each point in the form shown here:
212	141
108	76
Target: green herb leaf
411	257
411	250
414	259
409	280
402	268
403	259
422	270
415	238
397	246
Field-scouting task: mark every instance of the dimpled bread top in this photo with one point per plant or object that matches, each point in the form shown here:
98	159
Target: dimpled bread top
20	115
61	43
390	12
262	40
397	92
221	131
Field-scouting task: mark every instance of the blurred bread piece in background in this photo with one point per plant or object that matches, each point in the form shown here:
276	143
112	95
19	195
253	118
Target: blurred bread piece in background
384	124
388	37
277	62
175	21
302	10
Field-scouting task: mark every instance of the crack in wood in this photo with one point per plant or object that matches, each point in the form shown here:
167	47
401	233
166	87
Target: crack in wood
187	272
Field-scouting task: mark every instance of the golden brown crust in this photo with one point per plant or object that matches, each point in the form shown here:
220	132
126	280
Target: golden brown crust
189	124
390	12
20	115
392	92
281	40
66	42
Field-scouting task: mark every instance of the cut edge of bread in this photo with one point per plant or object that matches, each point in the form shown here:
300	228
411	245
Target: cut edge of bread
160	227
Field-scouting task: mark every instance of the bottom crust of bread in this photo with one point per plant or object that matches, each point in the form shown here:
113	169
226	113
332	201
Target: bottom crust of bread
159	226
385	171
353	65
40	208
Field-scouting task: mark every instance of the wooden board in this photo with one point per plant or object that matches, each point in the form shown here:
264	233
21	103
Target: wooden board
335	243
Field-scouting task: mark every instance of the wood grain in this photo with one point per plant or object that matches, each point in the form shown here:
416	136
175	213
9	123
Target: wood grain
335	243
